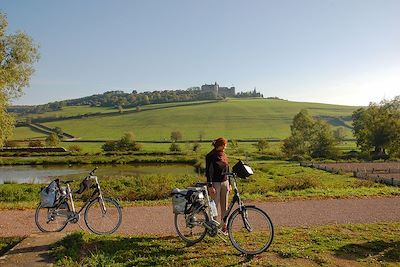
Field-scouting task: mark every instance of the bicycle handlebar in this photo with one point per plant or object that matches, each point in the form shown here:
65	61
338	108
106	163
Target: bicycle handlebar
93	171
230	174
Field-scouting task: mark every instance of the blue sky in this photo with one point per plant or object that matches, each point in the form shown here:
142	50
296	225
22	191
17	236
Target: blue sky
343	52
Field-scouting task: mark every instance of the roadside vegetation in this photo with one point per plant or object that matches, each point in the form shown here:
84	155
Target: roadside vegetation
330	245
273	180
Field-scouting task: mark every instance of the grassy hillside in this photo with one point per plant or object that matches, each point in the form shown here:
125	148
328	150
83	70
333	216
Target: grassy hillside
235	119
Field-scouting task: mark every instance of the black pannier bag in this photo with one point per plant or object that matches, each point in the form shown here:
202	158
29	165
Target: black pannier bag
49	194
242	170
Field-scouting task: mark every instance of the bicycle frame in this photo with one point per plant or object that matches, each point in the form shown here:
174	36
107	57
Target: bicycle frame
95	194
236	199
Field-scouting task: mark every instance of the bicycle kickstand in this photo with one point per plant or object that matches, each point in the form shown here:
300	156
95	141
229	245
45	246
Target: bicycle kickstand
220	235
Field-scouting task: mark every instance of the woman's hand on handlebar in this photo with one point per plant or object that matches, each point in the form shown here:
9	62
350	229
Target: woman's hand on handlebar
212	191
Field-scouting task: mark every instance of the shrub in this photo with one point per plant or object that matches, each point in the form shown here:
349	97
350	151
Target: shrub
11	143
196	147
126	143
174	147
296	183
35	143
75	148
261	145
52	140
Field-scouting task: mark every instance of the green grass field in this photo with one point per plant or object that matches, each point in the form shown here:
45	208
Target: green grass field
330	245
234	119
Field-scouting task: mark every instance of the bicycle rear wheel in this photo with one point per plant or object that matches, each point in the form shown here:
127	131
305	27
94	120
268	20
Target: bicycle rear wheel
100	222
52	219
251	230
190	226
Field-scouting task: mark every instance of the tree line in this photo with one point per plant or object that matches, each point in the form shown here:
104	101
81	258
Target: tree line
120	99
376	129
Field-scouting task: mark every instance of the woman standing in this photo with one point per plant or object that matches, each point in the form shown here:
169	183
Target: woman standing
217	181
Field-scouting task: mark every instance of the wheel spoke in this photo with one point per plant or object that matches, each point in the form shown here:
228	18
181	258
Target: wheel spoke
190	227
51	219
251	232
101	222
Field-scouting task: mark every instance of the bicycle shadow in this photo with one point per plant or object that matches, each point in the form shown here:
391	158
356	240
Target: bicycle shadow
140	250
383	250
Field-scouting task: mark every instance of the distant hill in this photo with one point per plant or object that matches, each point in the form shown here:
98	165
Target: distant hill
232	118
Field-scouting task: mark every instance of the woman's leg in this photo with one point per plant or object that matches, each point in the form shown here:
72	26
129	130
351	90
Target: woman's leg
224	192
217	195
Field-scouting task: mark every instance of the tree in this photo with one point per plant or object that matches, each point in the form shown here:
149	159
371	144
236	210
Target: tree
18	53
52	140
261	145
339	134
301	131
323	142
310	137
176	136
377	127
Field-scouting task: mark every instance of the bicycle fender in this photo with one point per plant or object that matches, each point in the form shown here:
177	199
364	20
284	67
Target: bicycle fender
116	201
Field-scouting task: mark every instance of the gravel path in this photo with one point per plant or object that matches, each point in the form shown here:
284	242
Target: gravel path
159	219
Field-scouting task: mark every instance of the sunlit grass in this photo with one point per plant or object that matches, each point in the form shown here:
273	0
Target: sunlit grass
330	245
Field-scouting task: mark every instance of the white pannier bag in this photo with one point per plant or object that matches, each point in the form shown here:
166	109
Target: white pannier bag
48	195
179	200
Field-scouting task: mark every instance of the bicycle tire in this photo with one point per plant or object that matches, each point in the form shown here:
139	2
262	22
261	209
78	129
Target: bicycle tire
181	227
51	219
239	233
94	213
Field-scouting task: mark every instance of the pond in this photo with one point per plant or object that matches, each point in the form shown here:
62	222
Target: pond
44	174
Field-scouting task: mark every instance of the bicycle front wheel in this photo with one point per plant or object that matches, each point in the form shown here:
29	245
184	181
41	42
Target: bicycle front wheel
251	230
52	219
190	227
103	221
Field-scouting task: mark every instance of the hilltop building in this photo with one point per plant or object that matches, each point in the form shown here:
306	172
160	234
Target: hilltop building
220	91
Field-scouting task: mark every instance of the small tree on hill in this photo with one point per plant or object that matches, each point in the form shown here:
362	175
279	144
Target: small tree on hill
176	136
53	140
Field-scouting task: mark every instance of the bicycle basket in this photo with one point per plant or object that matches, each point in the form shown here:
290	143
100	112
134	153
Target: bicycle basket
49	194
242	170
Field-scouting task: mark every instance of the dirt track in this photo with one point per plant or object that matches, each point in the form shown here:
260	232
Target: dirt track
159	220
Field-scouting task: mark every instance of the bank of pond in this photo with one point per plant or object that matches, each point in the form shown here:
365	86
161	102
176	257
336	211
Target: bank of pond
152	183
